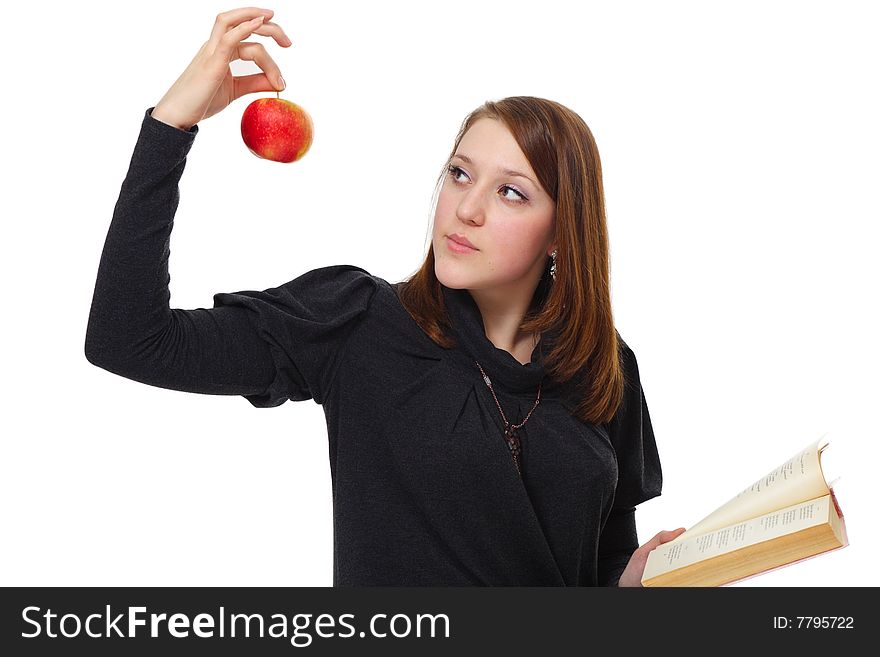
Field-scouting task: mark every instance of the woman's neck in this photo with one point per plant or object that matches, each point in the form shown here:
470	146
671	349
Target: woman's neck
502	314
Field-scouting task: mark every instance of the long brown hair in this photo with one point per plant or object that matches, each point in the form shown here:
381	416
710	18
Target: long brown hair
561	150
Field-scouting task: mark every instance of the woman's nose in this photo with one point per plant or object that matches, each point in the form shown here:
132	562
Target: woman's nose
471	206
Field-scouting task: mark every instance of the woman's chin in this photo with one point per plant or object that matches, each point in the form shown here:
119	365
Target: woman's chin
454	277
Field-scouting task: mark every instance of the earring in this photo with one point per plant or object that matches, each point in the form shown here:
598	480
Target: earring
553	266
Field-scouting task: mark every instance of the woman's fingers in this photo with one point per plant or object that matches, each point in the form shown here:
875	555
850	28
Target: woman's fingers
229	19
249	84
229	41
666	536
274	30
659	538
230	30
256	52
207	85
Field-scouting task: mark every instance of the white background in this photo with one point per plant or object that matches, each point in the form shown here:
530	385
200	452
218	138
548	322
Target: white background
739	147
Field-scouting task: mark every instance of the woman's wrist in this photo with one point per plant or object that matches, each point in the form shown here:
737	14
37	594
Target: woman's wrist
161	114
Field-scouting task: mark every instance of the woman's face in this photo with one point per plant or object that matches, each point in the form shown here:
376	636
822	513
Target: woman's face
507	217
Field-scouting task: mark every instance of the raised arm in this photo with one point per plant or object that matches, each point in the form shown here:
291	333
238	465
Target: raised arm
132	331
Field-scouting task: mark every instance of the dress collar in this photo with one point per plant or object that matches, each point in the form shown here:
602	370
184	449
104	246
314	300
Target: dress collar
502	368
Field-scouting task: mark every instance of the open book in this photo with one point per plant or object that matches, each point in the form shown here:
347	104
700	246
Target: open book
788	515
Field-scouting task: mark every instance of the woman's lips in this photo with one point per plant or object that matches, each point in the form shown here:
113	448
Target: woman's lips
455	247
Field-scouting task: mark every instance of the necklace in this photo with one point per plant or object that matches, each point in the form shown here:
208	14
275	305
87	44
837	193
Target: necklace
510	435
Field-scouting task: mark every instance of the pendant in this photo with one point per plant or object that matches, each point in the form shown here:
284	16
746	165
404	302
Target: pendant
515	446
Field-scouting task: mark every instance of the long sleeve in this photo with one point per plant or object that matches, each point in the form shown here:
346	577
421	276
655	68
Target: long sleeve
267	346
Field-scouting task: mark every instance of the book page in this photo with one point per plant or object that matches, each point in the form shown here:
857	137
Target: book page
797	480
779	522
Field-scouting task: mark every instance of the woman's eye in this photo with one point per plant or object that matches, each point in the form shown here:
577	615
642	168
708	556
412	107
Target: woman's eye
521	198
454	171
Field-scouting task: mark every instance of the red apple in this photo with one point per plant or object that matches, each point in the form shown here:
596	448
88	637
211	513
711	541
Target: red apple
276	129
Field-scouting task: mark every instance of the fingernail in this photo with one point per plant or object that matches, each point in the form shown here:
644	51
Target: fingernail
282	83
259	19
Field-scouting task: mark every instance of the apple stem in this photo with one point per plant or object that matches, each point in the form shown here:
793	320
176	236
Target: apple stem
278	94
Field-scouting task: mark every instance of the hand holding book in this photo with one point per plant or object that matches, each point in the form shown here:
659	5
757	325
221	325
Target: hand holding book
632	574
786	516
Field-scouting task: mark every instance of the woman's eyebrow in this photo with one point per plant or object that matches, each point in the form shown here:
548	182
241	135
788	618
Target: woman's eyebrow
506	172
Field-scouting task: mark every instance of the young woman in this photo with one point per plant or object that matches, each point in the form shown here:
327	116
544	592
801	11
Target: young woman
486	421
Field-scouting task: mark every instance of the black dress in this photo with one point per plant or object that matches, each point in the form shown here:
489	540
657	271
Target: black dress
425	491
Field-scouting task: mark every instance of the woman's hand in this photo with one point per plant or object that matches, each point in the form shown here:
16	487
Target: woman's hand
632	574
207	85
